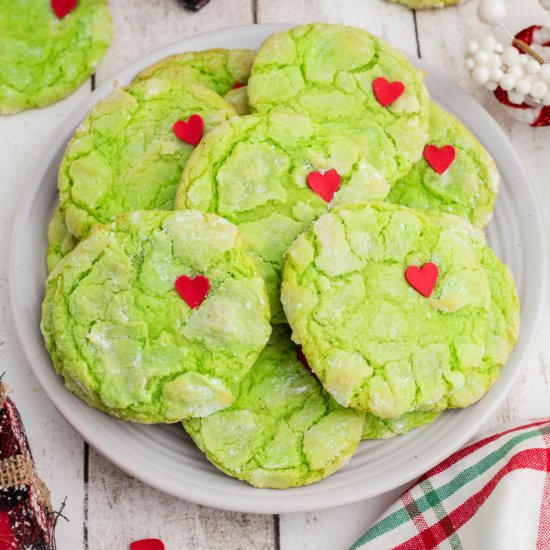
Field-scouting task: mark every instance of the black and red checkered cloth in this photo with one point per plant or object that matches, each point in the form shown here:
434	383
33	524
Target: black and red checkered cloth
26	518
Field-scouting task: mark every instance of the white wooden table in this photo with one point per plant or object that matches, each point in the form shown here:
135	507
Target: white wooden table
106	508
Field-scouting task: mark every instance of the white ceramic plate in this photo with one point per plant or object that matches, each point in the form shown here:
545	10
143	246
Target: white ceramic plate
163	456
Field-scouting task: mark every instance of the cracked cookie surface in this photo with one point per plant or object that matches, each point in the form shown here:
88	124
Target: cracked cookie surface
60	240
283	430
125	156
43	58
253	171
327	72
467	188
219	69
374	342
126	342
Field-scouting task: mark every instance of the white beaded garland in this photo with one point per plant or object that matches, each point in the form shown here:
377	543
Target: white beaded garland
523	87
472	47
532	66
480	75
516	71
516	98
481	57
546	99
507	82
538	90
544	72
510	55
496	74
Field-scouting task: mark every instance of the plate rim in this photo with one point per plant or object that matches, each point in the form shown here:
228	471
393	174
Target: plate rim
264	501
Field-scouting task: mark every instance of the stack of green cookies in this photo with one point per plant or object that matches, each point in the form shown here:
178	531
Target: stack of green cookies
282	249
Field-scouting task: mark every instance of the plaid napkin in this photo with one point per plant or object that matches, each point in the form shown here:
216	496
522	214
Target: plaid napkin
492	494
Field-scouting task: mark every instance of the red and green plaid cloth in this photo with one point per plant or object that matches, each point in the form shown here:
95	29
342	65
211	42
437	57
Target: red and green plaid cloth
492	494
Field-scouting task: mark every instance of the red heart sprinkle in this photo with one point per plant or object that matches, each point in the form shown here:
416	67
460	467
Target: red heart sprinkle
325	185
238	85
440	159
387	92
422	279
192	290
62	7
190	131
147	544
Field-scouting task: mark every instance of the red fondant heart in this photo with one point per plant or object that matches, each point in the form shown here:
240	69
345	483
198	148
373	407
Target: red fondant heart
190	131
237	85
62	7
387	92
147	544
422	279
193	290
325	185
440	159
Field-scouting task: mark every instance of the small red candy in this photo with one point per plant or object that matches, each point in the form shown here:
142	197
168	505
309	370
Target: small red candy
63	7
440	158
237	85
191	131
147	544
324	184
422	279
387	92
192	290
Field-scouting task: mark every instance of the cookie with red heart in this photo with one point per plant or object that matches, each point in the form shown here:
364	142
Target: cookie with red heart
153	126
456	175
399	310
49	48
273	174
343	76
157	316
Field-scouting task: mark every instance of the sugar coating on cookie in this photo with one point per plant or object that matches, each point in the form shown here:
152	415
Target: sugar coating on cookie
60	240
254	170
125	155
328	72
43	58
467	188
126	341
375	427
238	99
219	69
283	430
374	341
427	4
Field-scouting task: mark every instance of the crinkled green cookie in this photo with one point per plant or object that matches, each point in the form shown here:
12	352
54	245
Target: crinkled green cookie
238	99
218	69
126	342
253	171
375	427
376	343
467	188
43	58
125	155
327	71
283	430
427	4
60	240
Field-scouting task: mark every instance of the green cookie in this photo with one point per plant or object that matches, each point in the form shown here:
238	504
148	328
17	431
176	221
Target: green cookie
217	68
328	71
467	188
125	155
253	170
43	58
283	430
374	341
385	428
60	240
427	4
124	339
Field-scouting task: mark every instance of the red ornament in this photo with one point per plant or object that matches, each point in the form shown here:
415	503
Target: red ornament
63	7
440	158
192	290
325	185
422	279
190	131
147	544
237	85
387	92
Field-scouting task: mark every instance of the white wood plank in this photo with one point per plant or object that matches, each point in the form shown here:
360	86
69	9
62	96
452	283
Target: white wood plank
388	21
122	509
143	27
57	449
443	35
